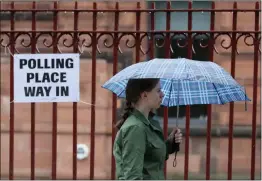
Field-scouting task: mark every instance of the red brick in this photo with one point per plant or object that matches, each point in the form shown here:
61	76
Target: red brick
103	119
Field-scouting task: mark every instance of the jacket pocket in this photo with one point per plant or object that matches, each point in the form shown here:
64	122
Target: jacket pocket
155	143
156	151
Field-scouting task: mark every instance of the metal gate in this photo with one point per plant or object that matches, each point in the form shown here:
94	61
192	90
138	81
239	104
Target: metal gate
11	41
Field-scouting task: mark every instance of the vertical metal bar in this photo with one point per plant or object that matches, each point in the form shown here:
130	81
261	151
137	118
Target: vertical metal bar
33	50
75	103
0	111
189	54
93	99
54	131
255	77
152	27
209	107
11	139
231	114
167	55
138	14
114	102
11	144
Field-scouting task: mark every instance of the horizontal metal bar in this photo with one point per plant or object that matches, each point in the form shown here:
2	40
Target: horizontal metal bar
131	10
221	131
127	32
115	0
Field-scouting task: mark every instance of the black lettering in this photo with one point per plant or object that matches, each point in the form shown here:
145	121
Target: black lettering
31	63
39	64
37	91
57	91
53	79
46	78
69	63
63	91
29	91
29	76
53	63
46	64
60	63
47	90
63	77
37	80
22	63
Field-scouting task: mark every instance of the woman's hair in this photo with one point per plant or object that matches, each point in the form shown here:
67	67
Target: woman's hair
134	89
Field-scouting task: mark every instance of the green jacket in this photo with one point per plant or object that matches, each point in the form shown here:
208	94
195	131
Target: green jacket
140	150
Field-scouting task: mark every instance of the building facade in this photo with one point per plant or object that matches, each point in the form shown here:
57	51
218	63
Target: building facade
104	67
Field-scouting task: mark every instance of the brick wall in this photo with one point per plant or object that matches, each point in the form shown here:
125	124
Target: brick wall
244	70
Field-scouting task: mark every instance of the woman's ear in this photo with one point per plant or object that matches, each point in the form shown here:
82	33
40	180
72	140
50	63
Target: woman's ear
143	95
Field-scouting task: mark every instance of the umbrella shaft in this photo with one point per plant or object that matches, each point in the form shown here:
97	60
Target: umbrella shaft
177	109
177	114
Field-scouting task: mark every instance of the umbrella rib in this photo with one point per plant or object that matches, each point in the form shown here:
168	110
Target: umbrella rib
170	92
121	92
218	94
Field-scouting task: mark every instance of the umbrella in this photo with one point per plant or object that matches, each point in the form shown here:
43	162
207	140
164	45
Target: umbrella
183	81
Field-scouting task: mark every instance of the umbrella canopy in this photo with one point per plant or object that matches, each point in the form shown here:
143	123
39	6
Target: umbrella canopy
183	81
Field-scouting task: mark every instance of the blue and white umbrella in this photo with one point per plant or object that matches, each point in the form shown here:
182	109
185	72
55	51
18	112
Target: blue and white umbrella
183	81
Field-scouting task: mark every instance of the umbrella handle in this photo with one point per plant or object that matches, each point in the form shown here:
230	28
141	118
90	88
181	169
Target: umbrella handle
176	146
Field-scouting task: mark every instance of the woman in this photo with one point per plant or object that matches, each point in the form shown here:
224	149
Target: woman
140	150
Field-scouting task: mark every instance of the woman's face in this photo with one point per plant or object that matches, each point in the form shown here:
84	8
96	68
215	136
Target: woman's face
154	97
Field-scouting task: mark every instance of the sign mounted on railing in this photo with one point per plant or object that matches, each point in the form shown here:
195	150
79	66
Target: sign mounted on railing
46	78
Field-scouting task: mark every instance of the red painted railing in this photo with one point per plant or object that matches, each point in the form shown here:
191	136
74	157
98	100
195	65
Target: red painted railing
12	37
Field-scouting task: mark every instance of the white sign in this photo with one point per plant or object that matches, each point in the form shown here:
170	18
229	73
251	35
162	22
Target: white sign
46	77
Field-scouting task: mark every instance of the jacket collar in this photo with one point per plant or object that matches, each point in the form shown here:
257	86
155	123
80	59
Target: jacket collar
141	117
149	122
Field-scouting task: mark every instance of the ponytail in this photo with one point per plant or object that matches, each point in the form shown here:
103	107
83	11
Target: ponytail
151	114
128	110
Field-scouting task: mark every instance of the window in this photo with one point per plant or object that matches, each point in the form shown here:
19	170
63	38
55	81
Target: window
179	20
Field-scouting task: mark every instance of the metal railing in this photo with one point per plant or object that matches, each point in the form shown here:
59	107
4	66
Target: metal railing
10	39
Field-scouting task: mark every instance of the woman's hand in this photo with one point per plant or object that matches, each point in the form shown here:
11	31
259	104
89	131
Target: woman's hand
175	136
178	135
